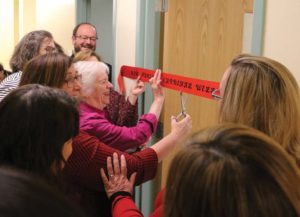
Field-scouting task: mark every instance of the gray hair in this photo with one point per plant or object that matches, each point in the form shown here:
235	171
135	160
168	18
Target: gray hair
89	70
27	48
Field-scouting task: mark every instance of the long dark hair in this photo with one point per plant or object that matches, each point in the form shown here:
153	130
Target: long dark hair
25	195
49	69
35	122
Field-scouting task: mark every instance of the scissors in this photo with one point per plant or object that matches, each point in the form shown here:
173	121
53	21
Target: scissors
183	102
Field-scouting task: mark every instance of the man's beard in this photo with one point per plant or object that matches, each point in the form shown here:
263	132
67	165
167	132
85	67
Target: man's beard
78	48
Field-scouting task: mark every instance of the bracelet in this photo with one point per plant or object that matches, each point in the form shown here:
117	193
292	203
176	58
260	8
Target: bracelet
118	193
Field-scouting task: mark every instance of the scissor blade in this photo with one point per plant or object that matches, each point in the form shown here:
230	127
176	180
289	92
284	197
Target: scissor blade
181	102
185	103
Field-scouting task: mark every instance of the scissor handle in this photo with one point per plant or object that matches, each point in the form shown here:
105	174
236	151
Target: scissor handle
180	115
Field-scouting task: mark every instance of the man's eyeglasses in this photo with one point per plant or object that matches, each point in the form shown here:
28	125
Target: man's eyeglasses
71	80
216	94
85	38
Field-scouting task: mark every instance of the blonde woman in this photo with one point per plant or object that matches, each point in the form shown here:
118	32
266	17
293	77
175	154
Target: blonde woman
262	93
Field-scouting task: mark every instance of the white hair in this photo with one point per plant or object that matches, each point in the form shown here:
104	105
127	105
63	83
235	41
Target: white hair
88	71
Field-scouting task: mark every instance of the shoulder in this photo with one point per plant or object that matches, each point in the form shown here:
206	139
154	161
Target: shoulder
86	108
9	83
85	142
84	137
89	113
13	79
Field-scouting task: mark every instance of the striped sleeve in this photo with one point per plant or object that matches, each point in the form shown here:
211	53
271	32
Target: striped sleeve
9	83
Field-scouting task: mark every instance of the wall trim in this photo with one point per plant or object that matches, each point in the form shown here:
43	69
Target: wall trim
258	27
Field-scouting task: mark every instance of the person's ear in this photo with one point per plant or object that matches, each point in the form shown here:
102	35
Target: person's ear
73	39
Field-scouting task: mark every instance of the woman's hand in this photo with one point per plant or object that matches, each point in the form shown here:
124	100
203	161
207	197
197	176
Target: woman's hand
117	179
157	89
182	127
170	141
136	90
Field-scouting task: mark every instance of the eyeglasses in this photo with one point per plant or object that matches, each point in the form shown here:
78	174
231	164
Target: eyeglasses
50	49
216	94
71	80
85	38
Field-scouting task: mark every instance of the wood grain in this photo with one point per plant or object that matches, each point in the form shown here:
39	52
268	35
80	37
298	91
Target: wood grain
201	37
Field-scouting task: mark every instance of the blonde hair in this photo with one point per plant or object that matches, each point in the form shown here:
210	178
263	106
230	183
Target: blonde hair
86	55
232	170
263	94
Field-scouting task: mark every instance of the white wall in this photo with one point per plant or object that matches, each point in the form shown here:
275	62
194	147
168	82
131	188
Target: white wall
20	17
102	18
282	33
58	17
6	31
126	18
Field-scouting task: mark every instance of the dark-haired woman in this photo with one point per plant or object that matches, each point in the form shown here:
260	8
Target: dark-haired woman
25	195
37	126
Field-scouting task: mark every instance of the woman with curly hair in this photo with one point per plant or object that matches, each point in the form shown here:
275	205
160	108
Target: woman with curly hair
32	44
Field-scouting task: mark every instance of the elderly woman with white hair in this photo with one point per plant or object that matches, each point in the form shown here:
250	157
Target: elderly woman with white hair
95	97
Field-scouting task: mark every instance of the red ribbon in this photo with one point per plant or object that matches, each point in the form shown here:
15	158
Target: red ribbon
193	86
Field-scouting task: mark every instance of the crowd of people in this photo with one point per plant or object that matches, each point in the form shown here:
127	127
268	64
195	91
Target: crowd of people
74	145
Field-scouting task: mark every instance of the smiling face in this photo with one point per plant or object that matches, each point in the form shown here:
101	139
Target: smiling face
95	84
47	46
102	88
85	38
72	82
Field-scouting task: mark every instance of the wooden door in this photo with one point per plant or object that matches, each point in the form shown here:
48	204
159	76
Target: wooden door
201	37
